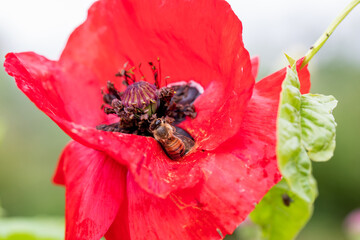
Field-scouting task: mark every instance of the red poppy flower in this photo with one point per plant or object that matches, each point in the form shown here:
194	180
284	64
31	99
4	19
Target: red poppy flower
124	186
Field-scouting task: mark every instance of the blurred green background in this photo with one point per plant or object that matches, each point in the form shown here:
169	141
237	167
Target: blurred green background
30	144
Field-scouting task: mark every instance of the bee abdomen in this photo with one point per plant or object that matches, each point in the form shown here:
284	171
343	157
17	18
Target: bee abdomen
175	148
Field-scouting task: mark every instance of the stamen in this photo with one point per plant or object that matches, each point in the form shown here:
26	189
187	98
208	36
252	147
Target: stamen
142	75
156	74
142	104
159	66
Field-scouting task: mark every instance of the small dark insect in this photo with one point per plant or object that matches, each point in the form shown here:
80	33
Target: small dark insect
175	145
286	199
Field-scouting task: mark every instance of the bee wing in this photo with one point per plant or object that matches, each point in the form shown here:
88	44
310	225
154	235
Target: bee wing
188	142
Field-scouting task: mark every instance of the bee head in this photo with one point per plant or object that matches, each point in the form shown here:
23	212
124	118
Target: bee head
161	128
155	124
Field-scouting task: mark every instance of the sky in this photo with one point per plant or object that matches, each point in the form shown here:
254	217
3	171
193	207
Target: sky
271	28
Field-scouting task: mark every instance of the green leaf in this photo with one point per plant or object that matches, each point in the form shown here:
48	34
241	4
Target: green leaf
290	60
294	163
305	130
281	213
31	229
318	126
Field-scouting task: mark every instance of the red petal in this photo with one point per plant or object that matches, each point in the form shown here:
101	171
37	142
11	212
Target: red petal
95	189
59	176
57	92
255	66
192	45
120	227
154	218
304	77
271	85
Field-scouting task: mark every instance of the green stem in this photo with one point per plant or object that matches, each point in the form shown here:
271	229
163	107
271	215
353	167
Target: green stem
325	36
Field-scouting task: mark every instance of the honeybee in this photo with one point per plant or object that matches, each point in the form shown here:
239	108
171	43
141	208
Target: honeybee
175	145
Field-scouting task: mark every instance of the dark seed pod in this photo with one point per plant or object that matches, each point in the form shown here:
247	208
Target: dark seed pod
140	95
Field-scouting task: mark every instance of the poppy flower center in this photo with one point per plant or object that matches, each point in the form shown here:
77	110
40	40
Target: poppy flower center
150	110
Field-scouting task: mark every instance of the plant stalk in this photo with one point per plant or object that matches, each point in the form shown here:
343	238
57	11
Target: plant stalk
325	36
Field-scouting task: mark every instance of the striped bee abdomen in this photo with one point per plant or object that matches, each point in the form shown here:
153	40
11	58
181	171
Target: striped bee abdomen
174	147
